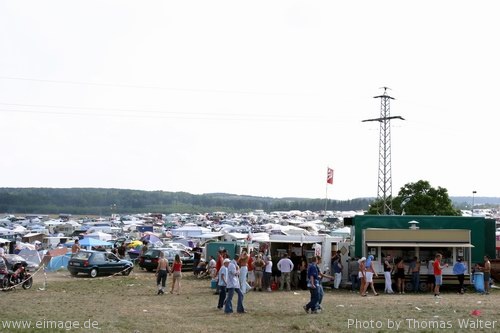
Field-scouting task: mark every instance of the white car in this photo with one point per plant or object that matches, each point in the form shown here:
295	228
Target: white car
177	246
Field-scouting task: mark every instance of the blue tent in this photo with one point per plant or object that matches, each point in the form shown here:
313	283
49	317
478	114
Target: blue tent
89	241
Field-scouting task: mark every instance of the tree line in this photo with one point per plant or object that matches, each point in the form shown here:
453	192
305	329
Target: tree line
102	201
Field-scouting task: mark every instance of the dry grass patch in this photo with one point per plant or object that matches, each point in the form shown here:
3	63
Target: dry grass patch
130	304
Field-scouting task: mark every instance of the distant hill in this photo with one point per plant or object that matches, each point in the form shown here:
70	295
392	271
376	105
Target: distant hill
105	201
101	201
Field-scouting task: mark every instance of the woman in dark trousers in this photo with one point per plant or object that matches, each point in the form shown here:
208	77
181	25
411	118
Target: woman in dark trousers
303	274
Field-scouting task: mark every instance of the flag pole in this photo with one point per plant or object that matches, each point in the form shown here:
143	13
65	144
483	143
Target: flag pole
326	189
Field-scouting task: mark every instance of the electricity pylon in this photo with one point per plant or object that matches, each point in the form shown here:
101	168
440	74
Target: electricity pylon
384	192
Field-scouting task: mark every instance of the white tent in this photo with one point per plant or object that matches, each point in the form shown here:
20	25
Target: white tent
99	235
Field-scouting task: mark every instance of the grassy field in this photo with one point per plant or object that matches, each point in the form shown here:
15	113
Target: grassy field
130	304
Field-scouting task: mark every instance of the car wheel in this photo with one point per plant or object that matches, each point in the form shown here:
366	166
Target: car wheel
127	271
93	273
423	286
409	286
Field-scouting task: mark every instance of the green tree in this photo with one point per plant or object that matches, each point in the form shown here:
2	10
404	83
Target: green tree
419	198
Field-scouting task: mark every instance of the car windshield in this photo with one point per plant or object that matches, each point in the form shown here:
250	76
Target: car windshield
152	253
81	255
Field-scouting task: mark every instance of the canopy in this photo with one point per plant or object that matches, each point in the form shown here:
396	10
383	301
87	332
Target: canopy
85	242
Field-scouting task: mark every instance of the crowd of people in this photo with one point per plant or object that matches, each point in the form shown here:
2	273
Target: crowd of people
361	272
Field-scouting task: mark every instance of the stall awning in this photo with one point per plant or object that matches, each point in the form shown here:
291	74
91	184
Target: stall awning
445	245
392	244
419	244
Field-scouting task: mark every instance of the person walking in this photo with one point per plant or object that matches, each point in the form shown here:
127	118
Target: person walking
459	270
285	266
387	274
233	286
312	284
161	273
370	272
222	282
177	275
321	275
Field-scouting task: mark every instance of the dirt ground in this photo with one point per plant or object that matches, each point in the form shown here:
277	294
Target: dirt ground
130	304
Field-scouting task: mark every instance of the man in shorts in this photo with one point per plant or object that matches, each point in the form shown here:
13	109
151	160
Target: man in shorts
438	274
487	274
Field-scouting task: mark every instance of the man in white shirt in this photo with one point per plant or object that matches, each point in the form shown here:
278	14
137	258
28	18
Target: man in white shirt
285	266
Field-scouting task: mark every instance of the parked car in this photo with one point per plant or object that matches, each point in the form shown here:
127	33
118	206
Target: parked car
96	263
12	259
149	260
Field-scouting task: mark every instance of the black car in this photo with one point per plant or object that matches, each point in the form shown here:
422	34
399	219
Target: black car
96	263
149	260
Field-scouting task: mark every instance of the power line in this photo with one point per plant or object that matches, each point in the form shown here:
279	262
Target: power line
135	86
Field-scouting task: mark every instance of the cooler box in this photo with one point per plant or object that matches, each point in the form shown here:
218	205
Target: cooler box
213	284
479	281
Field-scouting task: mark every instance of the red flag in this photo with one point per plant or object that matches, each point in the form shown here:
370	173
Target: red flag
329	176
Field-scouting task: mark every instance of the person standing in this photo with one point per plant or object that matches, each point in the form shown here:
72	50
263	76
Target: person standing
251	272
459	270
196	258
400	275
177	275
353	268
387	274
362	275
76	247
258	267
312	284
161	273
303	273
438	274
222	282
294	275
233	286
337	272
414	271
285	266
243	264
268	272
431	278
487	274
218	265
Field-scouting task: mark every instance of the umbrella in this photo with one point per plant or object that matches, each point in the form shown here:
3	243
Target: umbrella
134	244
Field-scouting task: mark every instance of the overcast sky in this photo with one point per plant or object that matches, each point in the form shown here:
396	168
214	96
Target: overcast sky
254	97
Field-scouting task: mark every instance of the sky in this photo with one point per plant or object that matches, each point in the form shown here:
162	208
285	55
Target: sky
248	97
